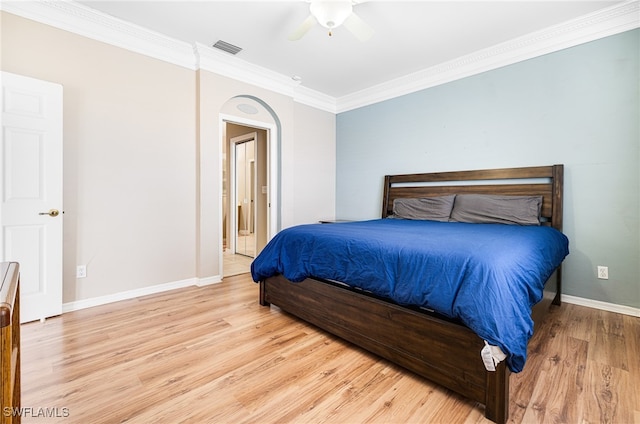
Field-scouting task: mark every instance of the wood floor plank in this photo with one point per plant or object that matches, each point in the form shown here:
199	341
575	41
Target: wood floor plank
578	322
609	400
562	372
214	355
632	328
609	345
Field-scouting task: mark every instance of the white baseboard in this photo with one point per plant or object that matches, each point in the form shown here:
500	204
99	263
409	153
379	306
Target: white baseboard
144	291
201	282
605	306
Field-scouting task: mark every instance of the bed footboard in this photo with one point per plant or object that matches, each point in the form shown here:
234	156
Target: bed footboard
442	351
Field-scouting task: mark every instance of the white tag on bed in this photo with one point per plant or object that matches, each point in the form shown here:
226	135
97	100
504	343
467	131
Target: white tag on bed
487	358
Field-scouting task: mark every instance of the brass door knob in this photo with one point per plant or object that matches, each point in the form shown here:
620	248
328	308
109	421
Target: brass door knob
52	212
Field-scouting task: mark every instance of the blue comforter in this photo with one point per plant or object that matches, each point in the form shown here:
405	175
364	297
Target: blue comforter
486	275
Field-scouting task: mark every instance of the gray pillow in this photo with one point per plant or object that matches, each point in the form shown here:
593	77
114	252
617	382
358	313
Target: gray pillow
487	208
425	208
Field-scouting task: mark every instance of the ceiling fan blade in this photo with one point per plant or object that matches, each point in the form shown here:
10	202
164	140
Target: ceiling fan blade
302	29
358	27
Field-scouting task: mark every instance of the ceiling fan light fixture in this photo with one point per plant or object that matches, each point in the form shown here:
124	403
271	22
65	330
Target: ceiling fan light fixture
331	14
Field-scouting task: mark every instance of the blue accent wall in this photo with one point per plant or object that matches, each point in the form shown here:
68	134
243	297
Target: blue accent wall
579	107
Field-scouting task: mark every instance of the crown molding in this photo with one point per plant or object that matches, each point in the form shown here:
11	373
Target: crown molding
82	20
79	19
315	99
605	22
210	59
85	21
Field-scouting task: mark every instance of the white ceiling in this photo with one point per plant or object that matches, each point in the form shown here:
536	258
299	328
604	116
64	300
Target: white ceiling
409	35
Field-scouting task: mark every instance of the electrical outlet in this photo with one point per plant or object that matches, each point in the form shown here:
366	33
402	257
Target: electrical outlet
81	271
603	272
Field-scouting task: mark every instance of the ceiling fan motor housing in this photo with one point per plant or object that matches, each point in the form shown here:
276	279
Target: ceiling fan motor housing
331	14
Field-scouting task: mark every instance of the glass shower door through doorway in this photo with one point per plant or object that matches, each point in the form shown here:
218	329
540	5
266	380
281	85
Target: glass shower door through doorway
245	191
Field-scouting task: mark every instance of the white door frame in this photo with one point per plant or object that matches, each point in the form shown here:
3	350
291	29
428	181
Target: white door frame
273	209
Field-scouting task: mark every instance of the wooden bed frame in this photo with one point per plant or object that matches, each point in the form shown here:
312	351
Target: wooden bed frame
443	351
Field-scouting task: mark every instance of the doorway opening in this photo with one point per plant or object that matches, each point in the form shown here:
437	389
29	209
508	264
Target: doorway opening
246	203
252	216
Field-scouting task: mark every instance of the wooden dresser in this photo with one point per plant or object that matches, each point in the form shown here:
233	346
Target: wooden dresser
10	342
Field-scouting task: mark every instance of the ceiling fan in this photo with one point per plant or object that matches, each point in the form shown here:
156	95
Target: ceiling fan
331	14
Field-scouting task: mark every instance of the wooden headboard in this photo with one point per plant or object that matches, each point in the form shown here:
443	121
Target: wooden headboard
545	181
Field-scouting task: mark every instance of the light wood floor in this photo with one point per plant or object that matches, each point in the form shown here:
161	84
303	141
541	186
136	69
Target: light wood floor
234	264
213	355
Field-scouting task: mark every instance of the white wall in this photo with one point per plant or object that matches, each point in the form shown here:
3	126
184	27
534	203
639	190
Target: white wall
142	192
129	180
315	177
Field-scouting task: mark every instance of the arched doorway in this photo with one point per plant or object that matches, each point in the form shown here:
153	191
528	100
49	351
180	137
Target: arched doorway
250	152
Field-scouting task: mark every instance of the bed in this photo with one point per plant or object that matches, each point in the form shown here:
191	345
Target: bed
441	344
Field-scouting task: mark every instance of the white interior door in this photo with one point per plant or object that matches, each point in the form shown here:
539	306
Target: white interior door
31	183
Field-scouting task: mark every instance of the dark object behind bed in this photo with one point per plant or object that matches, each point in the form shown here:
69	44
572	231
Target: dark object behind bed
442	351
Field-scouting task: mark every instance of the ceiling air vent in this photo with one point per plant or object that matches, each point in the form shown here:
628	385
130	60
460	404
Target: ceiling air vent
226	47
